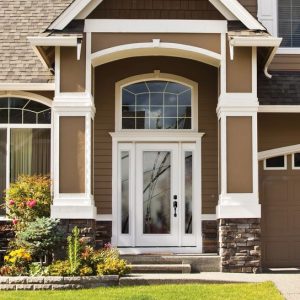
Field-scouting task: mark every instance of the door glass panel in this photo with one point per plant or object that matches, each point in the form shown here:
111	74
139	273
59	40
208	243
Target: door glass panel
188	182
125	191
156	192
3	134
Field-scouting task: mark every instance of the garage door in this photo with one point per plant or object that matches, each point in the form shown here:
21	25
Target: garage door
280	224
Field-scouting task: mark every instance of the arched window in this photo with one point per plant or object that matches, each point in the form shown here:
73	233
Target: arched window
25	134
157	105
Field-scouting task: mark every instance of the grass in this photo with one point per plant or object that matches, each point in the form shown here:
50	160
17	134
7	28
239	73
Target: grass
251	291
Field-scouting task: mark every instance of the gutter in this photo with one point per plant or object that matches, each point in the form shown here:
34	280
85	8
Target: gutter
256	41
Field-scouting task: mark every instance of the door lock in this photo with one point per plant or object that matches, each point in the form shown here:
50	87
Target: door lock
175	205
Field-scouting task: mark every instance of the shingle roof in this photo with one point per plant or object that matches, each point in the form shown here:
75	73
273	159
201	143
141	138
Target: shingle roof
282	89
19	19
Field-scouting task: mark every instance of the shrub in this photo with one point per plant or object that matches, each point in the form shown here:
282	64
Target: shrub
8	270
112	266
86	271
40	237
37	269
74	251
18	258
27	199
60	268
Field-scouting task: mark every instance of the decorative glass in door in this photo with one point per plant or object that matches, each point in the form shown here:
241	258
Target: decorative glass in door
156	192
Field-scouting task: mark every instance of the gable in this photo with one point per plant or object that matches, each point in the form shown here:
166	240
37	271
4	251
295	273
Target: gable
156	9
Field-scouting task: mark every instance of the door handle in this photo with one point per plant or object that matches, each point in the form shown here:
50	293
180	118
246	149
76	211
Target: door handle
175	205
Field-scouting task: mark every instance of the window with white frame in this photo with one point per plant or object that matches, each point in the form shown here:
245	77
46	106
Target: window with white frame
25	131
157	105
276	163
289	23
296	160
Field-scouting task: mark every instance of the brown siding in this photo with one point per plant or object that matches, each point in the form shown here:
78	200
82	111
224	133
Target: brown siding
239	70
106	40
156	9
106	77
239	155
278	130
72	71
286	62
251	6
72	154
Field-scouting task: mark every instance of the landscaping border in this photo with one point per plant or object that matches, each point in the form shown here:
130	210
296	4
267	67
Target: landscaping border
56	282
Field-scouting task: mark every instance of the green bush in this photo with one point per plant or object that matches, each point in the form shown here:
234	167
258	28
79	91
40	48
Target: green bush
112	266
37	269
59	268
40	237
27	199
8	270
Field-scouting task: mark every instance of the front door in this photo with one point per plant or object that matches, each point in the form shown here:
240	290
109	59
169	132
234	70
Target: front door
158	195
157	189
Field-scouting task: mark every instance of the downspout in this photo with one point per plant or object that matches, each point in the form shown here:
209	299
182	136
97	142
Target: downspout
271	56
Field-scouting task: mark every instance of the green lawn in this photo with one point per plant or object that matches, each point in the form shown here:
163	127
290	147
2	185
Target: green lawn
264	291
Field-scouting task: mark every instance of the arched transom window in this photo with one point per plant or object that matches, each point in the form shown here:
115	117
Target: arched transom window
157	105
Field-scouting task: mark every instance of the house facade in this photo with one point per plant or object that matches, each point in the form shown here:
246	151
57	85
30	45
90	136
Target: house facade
164	125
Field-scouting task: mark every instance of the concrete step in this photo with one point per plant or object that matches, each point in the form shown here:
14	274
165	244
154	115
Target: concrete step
198	263
161	268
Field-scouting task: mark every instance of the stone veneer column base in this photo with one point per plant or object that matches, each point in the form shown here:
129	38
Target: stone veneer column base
239	241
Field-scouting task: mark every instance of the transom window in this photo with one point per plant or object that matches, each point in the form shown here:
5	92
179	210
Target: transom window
25	135
23	111
276	163
289	22
157	105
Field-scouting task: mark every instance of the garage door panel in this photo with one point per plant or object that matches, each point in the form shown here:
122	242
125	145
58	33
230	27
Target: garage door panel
280	224
275	191
275	222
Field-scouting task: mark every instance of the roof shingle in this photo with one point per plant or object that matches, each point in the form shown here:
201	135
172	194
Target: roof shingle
18	20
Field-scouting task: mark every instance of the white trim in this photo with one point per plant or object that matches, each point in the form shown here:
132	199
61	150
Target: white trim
104	217
255	41
64	41
276	168
209	217
154	26
159	250
288	50
57	71
155	48
27	86
156	136
235	10
69	14
278	152
88	9
279	109
293	162
228	211
88	66
156	75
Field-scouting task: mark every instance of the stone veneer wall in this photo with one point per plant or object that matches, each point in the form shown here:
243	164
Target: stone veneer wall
103	233
210	236
240	249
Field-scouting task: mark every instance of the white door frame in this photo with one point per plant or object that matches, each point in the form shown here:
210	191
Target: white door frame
126	141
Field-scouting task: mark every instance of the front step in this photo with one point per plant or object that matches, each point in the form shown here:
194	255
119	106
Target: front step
161	268
198	263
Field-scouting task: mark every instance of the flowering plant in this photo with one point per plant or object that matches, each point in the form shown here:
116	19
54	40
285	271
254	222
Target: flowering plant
28	198
18	258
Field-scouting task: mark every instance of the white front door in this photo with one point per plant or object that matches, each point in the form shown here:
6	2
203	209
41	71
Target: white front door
157	189
158	195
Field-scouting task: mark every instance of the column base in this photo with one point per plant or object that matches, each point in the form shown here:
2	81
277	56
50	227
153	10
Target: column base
240	249
73	212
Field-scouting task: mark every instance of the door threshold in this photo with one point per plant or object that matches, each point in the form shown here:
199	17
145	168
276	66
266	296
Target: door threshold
160	250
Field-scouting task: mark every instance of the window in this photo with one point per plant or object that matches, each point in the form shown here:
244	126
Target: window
289	23
275	163
25	130
296	161
157	105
